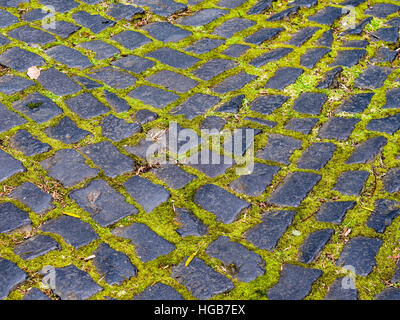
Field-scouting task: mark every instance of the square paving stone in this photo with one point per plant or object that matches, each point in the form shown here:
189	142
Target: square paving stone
60	5
113	77
326	39
36	246
12	276
33	197
390	35
270	56
118	104
159	291
263	35
162	8
86	82
236	50
316	156
372	78
74	231
295	283
66	131
232	106
7	19
249	265
392	99
213	67
200	279
34	14
58	83
267	234
153	96
173	58
190	225
30	146
328	15
303	126
70	57
388	124
68	167
313	245
312	57
121	11
13	219
226	206
391	181
284	77
9	119
37	107
338	128
105	205
64	29
96	23
279	148
367	150
337	292
202	17
74	284
86	106
351	182
114	266
10	84
382	10
172	81
9	166
166	32
212	125
35	294
260	7
31	35
302	36
103	49
235	82
148	244
349	58
131	39
330	79
20	60
360	253
266	104
383	215
310	103
146	193
232	26
196	105
334	212
107	157
134	63
204	45
294	189
209	163
356	103
174	176
117	129
144	116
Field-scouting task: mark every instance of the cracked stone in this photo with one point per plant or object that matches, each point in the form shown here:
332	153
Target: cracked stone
20	60
356	103
36	246
148	244
232	26
295	283
263	35
9	119
196	105
173	176
302	36
173	58
294	189
312	57
388	124
372	78
30	146
121	11
96	23
313	245
349	58
146	193
117	129
328	15
204	45
200	279
105	205
70	57
391	181
267	234
10	84
226	206
12	276
330	79
316	156
360	253
202	17
367	150
279	148
33	197
166	32
172	81
9	166
213	67
334	212
68	167
159	291
270	56
249	265
131	39
114	266
234	82
266	104
58	83
190	225
336	290
13	219
383	215
66	131
284	77
236	50
117	103
338	128
31	35
310	103
153	96
351	182
86	106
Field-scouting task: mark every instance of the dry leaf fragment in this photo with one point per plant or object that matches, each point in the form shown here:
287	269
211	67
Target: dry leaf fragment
33	73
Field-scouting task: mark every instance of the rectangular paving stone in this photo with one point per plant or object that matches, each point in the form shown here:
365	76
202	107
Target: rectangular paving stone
392	98
10	84
236	50
330	79
66	131
226	206
9	119
232	26
173	58
113	77
121	11
148	244
338	128
204	45
382	10
337	292
313	245
391	182
351	182
20	60
70	57
196	105
31	35
117	129
202	17
310	103
263	35
266	104
64	29
334	212
36	246
372	78
303	126
162	8
153	96
367	150
9	166
60	5
284	14
302	36
316	156
174	176
260	7
144	116
326	39
272	55
134	63
312	57
13	219
12	276
209	163
33	197
172	81
96	23
86	106
294	189
30	146
103	49
356	103
7	19
328	15
105	205
131	39
235	82
231	4
190	225
118	104
166	32
58	82
35	294
279	148
349	58
388	124
86	82
213	67
284	77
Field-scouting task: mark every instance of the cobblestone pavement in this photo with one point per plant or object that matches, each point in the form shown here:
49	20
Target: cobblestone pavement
316	82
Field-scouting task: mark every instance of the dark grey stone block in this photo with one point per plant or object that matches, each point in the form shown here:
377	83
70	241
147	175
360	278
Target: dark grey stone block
330	79
232	26
328	15
337	291
10	84
213	123
117	129
117	103
385	212
334	212
173	58
121	11
263	35
190	225
316	156
7	19
303	126
86	106
96	23
35	294
9	119
173	176
213	68
266	104
113	77
391	181
372	78
382	10
233	105
60	5
196	105
66	131
272	55
20	60
389	294
9	166
338	128
236	50
33	197
302	36
13	219
36	246
312	57
356	103
159	291
284	77
279	148
204	45
284	14
202	17
349	58
313	245
153	96
388	124
31	35
30	146
11	277
351	182
310	103
103	50
144	116
58	83
131	39
367	150
70	57
166	32
172	81
134	63
235	82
